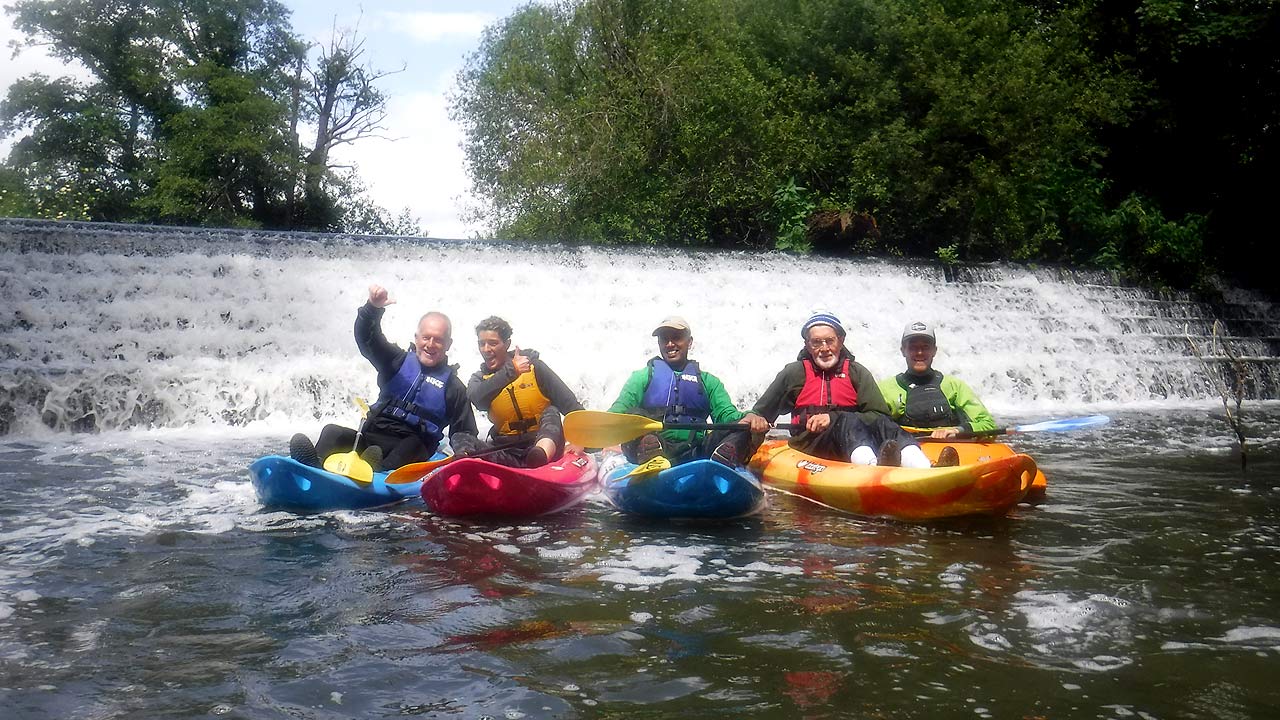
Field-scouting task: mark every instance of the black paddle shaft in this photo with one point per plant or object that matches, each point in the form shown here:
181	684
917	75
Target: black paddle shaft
724	426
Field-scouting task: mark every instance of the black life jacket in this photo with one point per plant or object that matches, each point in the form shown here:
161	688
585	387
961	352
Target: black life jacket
926	406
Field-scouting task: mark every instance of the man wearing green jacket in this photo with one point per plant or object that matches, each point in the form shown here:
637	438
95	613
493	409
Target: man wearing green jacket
672	388
925	398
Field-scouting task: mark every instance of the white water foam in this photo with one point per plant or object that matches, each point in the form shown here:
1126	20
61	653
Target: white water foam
183	330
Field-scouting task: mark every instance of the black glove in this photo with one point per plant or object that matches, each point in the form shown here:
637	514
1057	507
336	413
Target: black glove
464	445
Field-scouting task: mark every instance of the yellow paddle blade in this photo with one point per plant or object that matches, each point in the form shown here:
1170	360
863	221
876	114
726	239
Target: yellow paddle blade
351	465
655	465
414	472
360	403
595	429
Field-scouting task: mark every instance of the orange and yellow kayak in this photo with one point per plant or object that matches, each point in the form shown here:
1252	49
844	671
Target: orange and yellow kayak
989	487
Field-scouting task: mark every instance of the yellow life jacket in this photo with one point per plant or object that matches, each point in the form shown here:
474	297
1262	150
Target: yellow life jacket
516	409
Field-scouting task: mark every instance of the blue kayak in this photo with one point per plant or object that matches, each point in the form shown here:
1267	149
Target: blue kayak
286	483
697	489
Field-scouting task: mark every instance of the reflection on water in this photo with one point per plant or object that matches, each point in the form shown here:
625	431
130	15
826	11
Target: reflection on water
141	579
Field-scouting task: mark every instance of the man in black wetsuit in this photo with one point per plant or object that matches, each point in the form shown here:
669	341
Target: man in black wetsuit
419	395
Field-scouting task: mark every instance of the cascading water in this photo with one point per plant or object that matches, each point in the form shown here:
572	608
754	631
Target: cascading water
116	327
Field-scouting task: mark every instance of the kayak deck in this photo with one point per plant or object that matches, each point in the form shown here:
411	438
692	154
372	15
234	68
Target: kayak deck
474	486
978	451
282	482
699	489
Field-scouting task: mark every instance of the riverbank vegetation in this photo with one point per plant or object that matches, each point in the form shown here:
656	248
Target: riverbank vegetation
197	113
1137	135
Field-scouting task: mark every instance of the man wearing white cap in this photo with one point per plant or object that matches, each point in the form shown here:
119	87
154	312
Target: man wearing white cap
838	402
672	388
925	398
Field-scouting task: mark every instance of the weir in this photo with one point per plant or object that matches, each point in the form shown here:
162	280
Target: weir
111	327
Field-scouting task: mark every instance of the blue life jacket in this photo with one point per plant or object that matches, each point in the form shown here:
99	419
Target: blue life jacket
680	395
416	397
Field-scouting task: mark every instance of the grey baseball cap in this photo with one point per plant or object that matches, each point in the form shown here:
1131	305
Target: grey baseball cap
918	329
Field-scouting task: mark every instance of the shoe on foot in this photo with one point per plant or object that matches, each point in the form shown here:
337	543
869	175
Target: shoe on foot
949	457
650	448
536	457
890	454
301	449
726	454
373	456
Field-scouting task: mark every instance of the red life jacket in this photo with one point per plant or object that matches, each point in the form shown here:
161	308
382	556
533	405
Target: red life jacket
820	394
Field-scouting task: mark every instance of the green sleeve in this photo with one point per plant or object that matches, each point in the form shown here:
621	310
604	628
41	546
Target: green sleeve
632	392
894	395
869	397
722	407
967	404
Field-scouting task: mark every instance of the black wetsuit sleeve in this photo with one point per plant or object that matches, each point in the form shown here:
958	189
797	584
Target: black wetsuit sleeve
373	345
483	390
780	396
554	389
461	419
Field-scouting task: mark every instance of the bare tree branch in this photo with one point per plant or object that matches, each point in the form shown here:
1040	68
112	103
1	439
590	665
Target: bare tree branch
1240	373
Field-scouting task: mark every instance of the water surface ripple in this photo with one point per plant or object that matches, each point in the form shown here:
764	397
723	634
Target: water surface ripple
143	580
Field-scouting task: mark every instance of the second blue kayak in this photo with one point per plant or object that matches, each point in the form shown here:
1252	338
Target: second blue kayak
697	489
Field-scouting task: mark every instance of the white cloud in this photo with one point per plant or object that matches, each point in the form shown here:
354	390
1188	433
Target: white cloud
30	59
435	26
423	170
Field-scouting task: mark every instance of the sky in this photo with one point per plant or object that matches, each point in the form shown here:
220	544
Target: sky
420	164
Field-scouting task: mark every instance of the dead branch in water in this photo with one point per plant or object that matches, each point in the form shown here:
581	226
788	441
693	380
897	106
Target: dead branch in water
1240	373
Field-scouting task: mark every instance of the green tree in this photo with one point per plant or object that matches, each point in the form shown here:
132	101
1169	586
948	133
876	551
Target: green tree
969	126
190	114
617	121
345	105
1202	144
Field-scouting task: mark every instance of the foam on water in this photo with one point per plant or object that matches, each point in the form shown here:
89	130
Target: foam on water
1253	636
1077	630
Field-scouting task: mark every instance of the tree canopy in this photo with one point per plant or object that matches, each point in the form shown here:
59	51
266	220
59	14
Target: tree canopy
983	129
191	115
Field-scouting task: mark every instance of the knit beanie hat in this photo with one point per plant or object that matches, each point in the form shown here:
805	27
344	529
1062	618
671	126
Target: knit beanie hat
822	317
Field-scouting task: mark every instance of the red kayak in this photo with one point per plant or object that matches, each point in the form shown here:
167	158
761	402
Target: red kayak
473	486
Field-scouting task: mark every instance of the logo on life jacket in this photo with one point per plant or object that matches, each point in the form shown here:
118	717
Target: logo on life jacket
811	466
689	378
433	380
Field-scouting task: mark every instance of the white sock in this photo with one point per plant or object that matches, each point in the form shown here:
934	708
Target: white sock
913	457
863	455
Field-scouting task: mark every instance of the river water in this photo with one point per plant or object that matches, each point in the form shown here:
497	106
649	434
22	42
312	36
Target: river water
142	371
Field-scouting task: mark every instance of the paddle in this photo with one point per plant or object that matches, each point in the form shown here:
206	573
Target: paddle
597	429
351	464
1060	425
655	465
414	472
